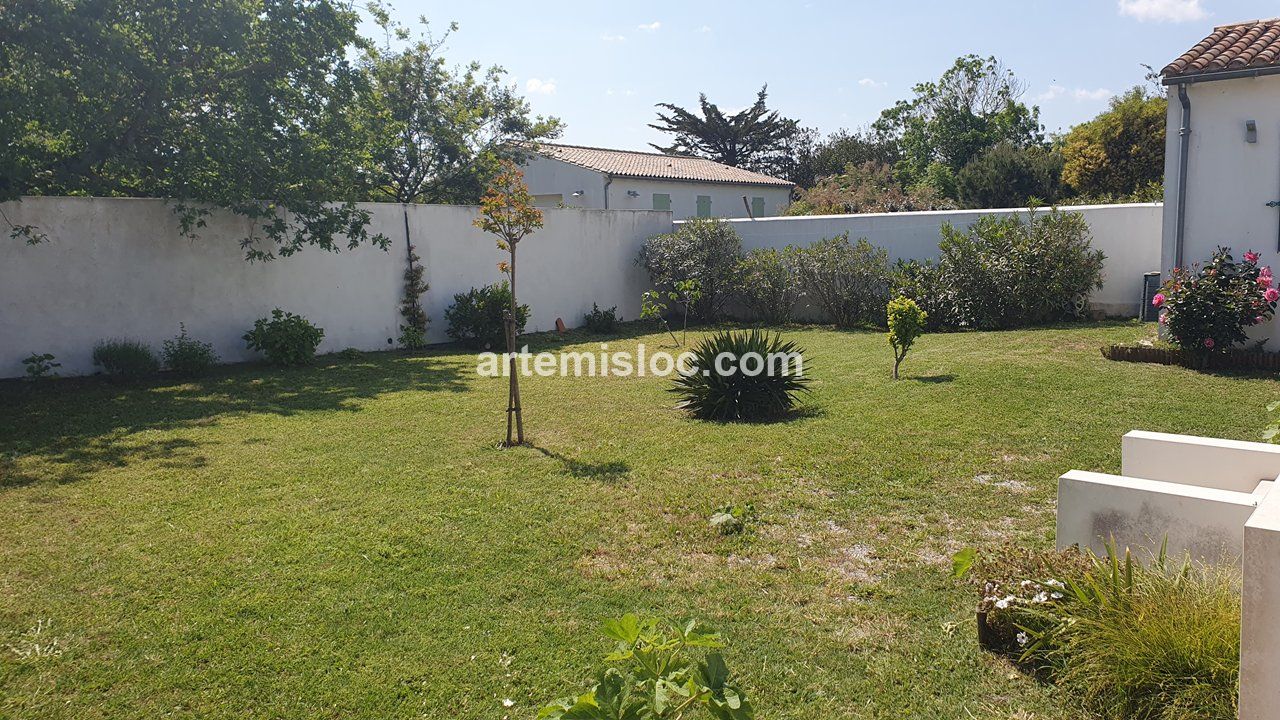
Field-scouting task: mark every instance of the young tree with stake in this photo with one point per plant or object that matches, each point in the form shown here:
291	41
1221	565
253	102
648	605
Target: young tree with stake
507	211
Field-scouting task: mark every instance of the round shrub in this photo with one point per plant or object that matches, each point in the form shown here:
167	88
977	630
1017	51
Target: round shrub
848	280
1009	272
187	356
600	321
741	376
1208	309
770	284
285	338
703	249
475	318
125	359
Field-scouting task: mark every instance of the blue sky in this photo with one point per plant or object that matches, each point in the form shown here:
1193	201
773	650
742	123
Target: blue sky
601	66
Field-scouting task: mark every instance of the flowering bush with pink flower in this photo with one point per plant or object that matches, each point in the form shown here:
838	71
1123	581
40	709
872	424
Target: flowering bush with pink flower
1211	307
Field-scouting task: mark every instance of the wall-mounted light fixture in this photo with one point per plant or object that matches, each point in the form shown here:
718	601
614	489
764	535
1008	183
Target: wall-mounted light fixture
633	193
1251	131
577	193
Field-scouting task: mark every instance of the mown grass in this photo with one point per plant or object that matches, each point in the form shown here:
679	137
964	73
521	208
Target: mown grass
348	540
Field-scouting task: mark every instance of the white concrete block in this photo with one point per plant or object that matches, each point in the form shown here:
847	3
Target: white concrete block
1141	514
1207	462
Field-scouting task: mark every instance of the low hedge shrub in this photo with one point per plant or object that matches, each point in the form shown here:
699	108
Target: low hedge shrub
475	318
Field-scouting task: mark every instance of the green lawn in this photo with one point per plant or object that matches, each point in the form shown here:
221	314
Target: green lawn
349	541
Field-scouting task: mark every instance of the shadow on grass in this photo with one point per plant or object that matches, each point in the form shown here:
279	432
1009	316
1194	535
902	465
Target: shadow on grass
801	412
87	424
933	379
607	472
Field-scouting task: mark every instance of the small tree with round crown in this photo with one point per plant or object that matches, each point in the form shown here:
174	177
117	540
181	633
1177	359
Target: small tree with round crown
507	211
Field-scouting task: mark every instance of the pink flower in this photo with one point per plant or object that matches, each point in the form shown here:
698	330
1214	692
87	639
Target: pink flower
1164	319
1251	257
1158	299
1271	295
1208	342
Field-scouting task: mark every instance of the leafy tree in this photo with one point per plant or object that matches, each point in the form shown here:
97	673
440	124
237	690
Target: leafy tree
974	106
1121	151
507	211
756	138
441	132
870	187
238	104
1006	176
906	324
816	159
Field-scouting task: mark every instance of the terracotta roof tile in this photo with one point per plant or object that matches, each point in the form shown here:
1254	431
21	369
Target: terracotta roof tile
1243	46
655	166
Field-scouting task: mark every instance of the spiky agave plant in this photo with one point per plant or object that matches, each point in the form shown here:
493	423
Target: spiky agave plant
757	377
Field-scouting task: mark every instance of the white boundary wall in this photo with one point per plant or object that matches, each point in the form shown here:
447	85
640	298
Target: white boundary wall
119	268
1128	234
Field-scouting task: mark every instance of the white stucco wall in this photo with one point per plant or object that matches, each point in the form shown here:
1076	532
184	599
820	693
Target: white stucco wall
1229	181
119	268
1129	235
547	176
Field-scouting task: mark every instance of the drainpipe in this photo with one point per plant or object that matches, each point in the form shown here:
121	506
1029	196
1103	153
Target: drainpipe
608	180
1184	152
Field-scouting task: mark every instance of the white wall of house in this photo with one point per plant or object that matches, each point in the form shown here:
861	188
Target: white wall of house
1229	181
1129	235
552	179
117	268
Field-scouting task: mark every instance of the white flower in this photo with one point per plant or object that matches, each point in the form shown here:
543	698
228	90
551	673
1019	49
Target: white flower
1022	639
1040	598
1003	603
1055	584
1056	595
508	703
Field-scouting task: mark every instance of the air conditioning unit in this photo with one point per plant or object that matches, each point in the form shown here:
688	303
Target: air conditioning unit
1150	286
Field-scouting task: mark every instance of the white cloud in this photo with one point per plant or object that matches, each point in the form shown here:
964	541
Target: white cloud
1078	94
1082	94
869	83
1053	93
1163	10
534	86
650	27
704	29
613	38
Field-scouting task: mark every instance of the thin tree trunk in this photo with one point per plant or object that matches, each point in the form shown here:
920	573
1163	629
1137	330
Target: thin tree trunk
513	328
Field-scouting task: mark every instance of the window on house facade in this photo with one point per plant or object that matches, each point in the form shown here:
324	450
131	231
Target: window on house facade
661	201
757	207
704	206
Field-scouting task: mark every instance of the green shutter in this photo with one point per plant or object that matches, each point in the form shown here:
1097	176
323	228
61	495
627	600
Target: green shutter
662	201
704	206
757	207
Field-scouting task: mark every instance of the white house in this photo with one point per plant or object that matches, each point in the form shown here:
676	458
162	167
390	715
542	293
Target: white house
1222	159
588	177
